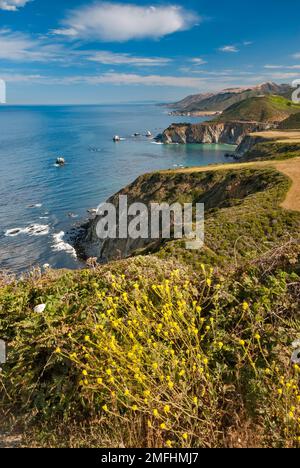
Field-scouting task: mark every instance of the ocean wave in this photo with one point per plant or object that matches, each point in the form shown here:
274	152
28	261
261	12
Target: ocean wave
60	245
37	205
32	230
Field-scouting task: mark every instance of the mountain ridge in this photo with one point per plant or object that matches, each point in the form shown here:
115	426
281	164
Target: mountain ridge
219	101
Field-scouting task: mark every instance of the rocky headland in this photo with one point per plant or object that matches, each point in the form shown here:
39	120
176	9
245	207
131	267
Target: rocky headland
231	133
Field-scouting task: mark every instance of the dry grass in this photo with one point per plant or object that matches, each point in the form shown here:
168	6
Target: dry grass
292	136
290	168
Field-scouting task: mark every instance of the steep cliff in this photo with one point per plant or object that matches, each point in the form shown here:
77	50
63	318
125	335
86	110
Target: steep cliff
238	202
231	133
247	144
277	144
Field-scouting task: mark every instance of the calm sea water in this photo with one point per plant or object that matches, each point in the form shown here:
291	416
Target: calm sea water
39	202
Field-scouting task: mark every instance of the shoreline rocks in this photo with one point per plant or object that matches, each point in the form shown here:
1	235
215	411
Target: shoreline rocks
231	133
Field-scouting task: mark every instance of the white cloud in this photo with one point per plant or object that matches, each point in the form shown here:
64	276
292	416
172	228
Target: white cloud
198	61
12	5
283	76
146	80
122	79
296	56
229	48
282	67
117	22
110	58
16	46
22	78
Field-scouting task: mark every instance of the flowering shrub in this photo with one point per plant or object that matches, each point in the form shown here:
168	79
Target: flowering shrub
149	354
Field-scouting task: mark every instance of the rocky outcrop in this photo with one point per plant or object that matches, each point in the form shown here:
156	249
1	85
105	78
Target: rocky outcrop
231	133
218	190
247	144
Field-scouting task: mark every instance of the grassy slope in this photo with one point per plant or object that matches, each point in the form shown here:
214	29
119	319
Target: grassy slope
293	122
273	150
260	109
246	225
167	351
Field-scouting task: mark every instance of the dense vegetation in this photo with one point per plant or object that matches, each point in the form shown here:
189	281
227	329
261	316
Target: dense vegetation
291	123
172	349
260	109
272	150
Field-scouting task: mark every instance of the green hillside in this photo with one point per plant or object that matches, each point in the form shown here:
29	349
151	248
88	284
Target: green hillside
292	123
178	349
260	109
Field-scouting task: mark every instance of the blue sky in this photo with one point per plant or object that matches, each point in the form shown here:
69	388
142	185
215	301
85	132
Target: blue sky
82	51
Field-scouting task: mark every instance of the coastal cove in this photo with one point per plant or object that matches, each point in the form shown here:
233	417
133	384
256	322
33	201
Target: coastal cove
41	203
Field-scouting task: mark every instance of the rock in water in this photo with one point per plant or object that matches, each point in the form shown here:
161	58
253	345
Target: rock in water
60	161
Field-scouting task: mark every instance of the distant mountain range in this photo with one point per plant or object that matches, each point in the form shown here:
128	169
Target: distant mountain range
217	102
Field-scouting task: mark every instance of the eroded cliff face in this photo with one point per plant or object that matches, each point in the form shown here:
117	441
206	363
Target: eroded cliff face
216	189
231	133
247	144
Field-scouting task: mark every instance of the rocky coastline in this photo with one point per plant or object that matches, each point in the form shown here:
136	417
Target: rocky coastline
231	133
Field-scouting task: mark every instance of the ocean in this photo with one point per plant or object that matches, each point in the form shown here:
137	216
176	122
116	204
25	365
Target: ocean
40	203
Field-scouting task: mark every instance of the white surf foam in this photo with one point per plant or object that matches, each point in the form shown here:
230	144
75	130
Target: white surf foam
60	245
38	205
32	230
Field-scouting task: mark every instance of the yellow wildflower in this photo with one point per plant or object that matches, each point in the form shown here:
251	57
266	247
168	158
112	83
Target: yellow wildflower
167	409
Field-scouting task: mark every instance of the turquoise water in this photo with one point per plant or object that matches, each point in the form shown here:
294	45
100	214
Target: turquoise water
39	202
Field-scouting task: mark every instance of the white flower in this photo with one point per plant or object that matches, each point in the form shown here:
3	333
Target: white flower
39	309
296	344
296	357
